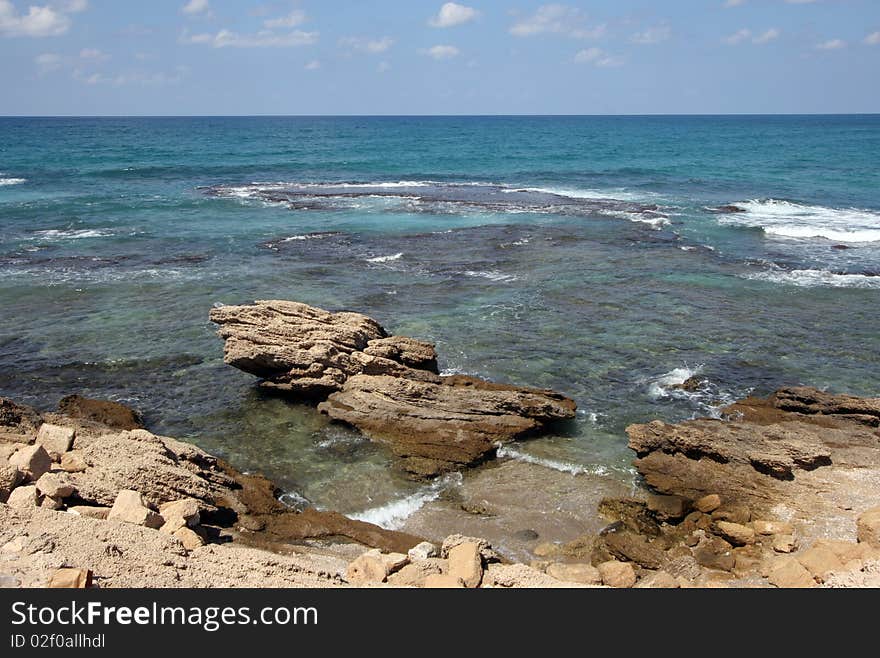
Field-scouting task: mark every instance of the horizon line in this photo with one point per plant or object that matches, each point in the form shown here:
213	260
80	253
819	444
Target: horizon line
406	116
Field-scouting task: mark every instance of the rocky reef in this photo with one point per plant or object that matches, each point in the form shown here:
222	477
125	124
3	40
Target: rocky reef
386	386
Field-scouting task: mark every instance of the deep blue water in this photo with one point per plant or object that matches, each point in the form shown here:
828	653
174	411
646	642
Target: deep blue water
594	255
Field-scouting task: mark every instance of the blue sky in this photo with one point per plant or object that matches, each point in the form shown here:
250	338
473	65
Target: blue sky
183	57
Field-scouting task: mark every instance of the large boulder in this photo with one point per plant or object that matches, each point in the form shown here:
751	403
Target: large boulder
311	352
438	427
18	423
111	414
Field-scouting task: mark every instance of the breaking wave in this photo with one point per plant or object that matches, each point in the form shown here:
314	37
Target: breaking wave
393	515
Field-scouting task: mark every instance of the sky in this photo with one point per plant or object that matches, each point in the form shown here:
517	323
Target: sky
403	57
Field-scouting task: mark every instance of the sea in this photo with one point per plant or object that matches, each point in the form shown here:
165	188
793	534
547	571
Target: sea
609	258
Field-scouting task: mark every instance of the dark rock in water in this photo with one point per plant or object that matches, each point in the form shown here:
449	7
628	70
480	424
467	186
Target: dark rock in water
715	553
18	423
727	209
631	547
631	513
111	414
526	535
841	247
691	384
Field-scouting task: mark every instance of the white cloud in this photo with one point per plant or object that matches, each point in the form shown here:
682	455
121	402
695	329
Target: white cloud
293	19
194	7
833	44
38	22
48	62
733	3
557	19
441	52
873	39
452	14
738	37
652	36
745	34
93	54
143	78
766	37
371	46
262	39
597	57
313	65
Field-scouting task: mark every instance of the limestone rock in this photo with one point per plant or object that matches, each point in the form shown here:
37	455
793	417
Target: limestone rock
810	401
585	574
684	567
868	527
772	528
180	514
10	477
844	550
521	576
422	551
415	573
715	553
708	504
442	426
53	485
111	414
466	564
546	549
736	534
784	543
130	507
49	502
659	580
408	351
442	581
486	551
374	567
668	507
71	579
90	511
820	561
33	461
631	547
789	573
55	439
617	574
18	423
190	539
24	497
73	462
733	513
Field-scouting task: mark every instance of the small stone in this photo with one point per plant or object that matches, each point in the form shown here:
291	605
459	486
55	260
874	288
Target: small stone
547	549
772	528
14	545
784	543
71	579
683	567
415	573
55	439
443	581
668	507
868	527
73	462
10	477
130	507
789	573
190	539
617	574
90	511
659	580
33	461
820	561
52	485
708	504
422	551
8	581
585	574
736	534
374	567
734	513
52	503
180	514
22	497
715	553
466	564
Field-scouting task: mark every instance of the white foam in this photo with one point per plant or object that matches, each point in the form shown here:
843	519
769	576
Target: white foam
73	234
816	278
564	467
393	515
653	220
385	259
794	220
12	181
659	387
294	500
617	194
307	236
492	275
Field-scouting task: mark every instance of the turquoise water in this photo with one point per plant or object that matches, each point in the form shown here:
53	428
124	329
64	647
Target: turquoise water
591	255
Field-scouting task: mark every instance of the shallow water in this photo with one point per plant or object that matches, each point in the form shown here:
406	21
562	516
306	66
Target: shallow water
589	255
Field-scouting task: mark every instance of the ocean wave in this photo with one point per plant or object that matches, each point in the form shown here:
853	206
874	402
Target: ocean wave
616	194
294	500
394	514
385	259
706	396
73	234
652	219
492	275
815	278
12	181
788	219
662	386
553	464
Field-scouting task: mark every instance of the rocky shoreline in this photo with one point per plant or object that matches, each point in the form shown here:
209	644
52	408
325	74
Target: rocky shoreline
782	491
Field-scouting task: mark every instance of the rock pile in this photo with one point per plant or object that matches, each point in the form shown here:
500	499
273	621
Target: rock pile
386	386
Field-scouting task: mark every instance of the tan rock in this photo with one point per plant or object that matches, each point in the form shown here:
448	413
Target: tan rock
422	551
90	511
415	573
73	462
71	579
22	497
130	507
189	538
784	543
659	580
466	564
788	573
443	581
49	502
845	551
55	486
33	461
668	507
617	574
374	567
772	528
15	545
708	504
868	527
736	534
547	549
180	514
585	574
55	439
820	561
